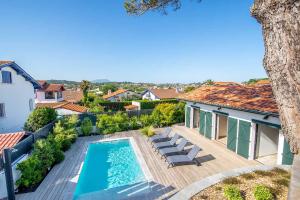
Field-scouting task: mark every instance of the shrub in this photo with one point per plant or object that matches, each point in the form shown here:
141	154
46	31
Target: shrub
263	173
113	123
39	118
261	192
96	109
146	120
232	193
134	123
64	141
44	151
86	126
58	154
148	131
31	172
114	106
166	114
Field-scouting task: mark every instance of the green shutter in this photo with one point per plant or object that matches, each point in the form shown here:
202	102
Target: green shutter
287	155
208	125
244	138
202	122
187	116
231	134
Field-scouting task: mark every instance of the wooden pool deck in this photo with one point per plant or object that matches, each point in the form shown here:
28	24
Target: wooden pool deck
60	183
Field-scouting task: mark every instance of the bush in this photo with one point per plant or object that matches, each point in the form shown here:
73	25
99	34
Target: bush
148	131
261	192
31	172
113	123
39	118
146	120
232	193
166	114
86	126
134	123
114	106
64	141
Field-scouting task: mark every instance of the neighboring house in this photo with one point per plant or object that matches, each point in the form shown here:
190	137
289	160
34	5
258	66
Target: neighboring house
73	96
244	118
16	96
64	108
49	93
158	94
119	95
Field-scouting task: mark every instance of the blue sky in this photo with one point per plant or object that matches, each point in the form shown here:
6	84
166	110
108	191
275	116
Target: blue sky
91	39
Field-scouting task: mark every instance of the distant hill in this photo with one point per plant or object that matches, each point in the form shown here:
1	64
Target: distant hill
101	81
63	82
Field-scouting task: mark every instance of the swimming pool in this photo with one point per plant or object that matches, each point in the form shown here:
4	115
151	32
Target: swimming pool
107	165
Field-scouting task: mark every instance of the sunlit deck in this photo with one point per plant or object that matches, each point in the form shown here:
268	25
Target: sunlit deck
60	183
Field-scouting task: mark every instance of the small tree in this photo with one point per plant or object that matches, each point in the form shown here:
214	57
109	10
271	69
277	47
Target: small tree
39	118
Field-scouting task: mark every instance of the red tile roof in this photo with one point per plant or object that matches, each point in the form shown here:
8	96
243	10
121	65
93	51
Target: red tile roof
257	97
119	91
72	95
2	62
74	107
165	93
8	140
64	105
51	87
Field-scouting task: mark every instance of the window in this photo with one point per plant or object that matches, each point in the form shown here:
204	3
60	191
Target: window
31	105
6	77
2	110
49	95
59	95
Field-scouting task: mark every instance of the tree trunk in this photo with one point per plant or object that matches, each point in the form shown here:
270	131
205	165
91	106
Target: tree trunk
280	20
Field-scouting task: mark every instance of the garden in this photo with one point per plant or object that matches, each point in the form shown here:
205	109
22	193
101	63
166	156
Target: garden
49	151
258	185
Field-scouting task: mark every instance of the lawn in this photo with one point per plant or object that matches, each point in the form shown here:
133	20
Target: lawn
276	180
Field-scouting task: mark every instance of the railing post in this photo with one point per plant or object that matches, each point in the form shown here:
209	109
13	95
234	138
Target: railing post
8	174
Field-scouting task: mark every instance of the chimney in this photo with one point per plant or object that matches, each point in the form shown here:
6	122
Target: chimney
177	90
109	92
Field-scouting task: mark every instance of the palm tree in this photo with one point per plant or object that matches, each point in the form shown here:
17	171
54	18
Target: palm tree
85	86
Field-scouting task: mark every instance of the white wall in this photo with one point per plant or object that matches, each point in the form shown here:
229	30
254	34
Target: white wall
150	96
40	98
16	175
16	98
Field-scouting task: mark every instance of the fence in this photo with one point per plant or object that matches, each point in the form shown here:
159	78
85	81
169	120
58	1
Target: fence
25	145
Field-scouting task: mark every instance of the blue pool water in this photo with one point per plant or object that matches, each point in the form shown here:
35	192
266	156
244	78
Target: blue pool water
108	165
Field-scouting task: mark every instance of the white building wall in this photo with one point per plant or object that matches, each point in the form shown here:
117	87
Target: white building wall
149	96
40	98
16	97
241	115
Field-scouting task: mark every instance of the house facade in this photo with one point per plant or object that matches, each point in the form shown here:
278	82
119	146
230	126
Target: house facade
17	96
242	118
119	95
158	94
49	93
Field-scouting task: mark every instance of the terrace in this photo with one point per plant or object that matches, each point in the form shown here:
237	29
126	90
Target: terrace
214	158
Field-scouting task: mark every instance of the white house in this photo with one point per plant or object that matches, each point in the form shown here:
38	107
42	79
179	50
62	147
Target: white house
244	118
158	94
49	93
119	95
16	96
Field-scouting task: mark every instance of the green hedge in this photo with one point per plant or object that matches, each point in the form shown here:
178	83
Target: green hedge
39	118
46	153
146	104
114	106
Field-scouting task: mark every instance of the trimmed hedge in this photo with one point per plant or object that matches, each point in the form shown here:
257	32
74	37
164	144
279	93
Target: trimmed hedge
146	104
